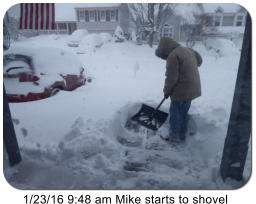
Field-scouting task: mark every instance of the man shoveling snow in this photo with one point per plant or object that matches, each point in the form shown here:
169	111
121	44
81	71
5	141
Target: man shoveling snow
182	83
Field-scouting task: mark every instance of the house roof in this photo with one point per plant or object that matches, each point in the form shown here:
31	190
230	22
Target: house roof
66	11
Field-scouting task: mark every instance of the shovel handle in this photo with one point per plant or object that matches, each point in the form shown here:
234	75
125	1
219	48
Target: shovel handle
160	104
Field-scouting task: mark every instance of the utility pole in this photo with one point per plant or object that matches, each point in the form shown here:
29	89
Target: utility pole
10	140
239	128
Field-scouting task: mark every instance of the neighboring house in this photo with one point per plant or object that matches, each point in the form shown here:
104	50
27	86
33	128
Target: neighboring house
98	17
101	17
224	20
92	17
68	17
214	20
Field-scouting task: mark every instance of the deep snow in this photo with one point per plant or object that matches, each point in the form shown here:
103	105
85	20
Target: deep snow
77	140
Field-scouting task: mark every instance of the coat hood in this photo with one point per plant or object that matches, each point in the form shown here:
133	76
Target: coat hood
165	47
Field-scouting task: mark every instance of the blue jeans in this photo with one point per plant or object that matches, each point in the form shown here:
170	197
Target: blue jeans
179	117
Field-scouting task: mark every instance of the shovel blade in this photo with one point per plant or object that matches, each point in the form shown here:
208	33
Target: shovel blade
148	117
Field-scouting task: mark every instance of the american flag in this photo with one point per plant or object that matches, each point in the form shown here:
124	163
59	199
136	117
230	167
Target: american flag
37	16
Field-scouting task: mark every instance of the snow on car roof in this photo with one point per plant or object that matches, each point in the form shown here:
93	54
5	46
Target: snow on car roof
49	59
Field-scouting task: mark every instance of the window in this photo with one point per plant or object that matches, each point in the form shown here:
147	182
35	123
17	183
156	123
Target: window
102	15
112	15
81	15
217	21
239	20
167	31
228	20
62	26
208	20
91	15
16	67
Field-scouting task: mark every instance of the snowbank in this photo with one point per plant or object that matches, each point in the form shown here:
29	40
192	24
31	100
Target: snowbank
81	134
106	37
78	35
223	47
92	41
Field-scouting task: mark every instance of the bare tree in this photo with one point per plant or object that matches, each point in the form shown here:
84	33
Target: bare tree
193	26
149	18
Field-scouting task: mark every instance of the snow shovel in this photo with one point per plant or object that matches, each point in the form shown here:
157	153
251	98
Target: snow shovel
148	117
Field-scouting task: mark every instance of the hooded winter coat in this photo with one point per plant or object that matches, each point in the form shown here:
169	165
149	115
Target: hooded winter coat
182	80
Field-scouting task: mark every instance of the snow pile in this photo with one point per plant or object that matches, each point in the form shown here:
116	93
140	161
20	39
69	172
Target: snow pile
80	136
78	35
106	37
231	30
90	43
223	47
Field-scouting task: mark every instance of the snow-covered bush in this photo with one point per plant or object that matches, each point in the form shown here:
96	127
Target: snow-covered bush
119	35
223	47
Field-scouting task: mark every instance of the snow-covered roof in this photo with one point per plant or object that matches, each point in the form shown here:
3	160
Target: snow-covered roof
226	7
66	11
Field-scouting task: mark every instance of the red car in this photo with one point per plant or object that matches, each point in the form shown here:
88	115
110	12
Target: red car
36	73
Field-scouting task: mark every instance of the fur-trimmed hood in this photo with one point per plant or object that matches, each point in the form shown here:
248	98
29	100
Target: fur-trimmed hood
182	80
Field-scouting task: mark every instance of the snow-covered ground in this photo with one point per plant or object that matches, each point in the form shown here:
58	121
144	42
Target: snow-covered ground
77	140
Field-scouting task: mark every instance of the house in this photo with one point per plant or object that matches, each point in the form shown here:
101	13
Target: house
212	20
224	15
219	20
95	18
224	20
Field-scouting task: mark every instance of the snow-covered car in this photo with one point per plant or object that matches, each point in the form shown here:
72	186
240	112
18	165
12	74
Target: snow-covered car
36	73
76	37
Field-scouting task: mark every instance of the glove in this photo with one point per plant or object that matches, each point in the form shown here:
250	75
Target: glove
166	96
